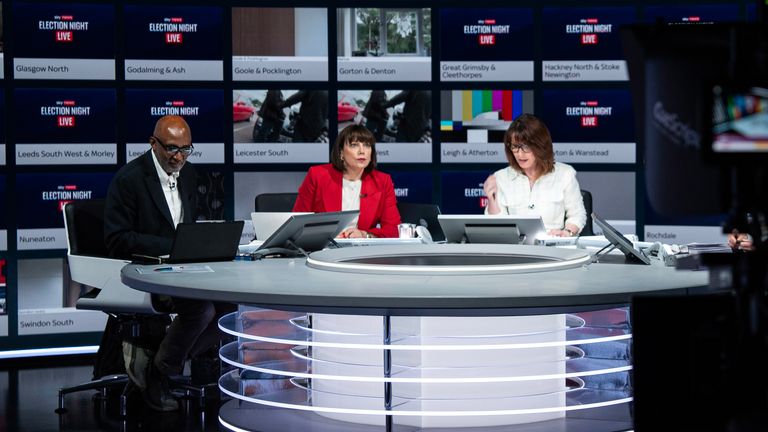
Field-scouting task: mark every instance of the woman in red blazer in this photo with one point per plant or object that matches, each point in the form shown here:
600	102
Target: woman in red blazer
350	182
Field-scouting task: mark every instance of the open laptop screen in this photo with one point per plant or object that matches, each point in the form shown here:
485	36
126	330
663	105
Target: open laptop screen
205	241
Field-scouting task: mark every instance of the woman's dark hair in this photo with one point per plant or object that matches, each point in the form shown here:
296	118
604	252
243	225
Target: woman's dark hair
348	135
529	130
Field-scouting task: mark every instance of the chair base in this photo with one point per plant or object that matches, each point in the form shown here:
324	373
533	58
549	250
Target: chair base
179	385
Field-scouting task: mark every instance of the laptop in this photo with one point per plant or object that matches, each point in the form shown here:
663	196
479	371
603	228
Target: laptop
503	229
305	232
201	242
266	223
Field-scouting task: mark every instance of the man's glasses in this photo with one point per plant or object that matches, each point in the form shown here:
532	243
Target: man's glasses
172	149
525	148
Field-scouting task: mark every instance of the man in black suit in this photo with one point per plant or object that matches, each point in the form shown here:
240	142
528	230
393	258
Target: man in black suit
147	198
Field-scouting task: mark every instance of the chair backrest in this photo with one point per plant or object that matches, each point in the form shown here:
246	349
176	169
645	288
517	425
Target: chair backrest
586	196
84	222
415	213
275	202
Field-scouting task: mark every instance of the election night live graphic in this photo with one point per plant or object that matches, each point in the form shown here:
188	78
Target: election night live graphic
590	126
202	109
64	41
384	44
584	44
173	43
40	199
279	44
462	192
473	123
486	45
65	126
400	120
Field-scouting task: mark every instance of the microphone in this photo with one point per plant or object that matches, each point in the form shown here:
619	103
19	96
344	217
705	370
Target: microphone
531	206
362	195
172	186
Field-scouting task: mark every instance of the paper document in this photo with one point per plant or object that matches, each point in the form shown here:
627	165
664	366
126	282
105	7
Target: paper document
190	268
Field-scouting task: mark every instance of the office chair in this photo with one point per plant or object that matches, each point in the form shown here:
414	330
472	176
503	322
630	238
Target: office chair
89	265
586	196
422	214
275	202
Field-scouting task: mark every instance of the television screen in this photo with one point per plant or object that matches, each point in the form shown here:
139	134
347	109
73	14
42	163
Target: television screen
385	44
590	126
692	14
473	123
65	126
64	41
462	191
484	34
280	126
279	44
739	120
400	120
583	44
40	199
173	43
412	186
202	109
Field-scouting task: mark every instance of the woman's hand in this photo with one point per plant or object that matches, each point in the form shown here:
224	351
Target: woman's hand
490	188
568	231
353	233
743	241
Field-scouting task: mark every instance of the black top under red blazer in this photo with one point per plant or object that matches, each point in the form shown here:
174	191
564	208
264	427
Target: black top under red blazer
321	192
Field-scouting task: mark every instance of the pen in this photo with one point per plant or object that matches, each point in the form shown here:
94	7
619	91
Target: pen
167	269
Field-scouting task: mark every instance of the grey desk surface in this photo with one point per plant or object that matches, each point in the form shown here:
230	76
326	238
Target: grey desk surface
289	284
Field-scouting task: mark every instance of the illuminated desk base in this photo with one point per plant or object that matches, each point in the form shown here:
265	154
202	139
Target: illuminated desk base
427	372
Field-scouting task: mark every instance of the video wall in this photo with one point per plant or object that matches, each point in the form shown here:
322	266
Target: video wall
83	83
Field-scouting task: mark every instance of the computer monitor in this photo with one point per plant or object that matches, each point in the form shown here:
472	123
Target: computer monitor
491	229
739	123
306	232
620	242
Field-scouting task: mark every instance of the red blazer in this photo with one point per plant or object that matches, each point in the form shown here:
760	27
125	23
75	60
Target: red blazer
321	192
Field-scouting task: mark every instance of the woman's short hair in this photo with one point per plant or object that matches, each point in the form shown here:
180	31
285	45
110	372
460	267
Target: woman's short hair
348	135
529	130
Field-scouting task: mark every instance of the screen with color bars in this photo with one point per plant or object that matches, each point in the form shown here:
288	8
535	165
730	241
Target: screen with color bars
480	116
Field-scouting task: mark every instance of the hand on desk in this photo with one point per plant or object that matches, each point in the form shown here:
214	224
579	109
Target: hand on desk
353	233
568	231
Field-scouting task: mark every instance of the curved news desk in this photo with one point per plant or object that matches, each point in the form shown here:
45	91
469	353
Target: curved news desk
408	343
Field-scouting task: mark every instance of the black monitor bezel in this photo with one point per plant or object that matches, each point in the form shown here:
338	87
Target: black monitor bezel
618	240
449	224
287	235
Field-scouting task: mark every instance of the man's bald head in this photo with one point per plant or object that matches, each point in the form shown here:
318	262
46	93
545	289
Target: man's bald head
174	125
171	132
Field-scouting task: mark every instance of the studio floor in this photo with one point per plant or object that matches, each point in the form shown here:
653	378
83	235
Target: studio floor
28	400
